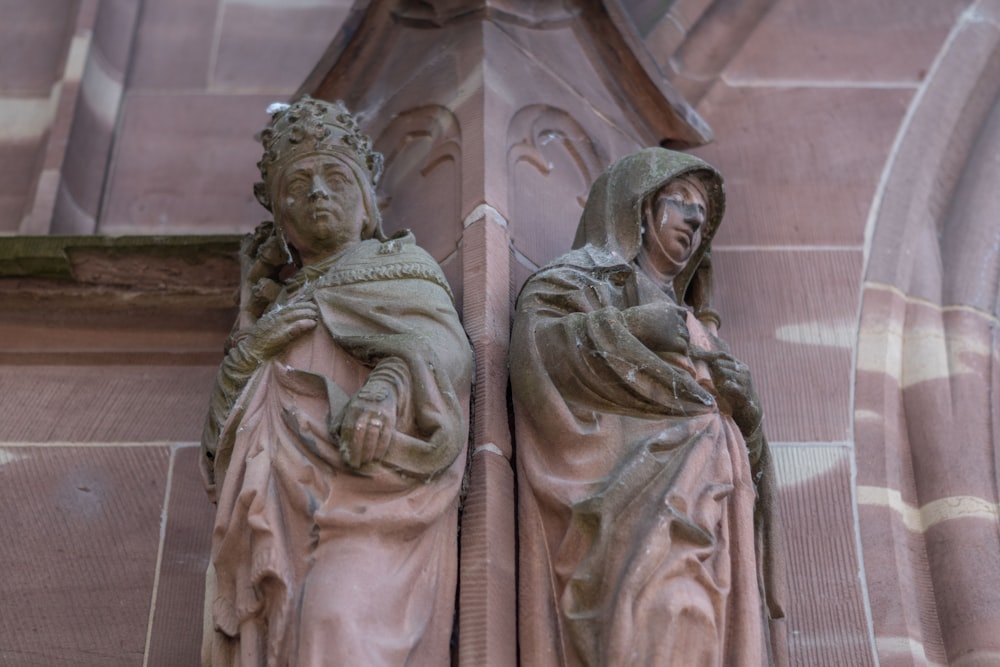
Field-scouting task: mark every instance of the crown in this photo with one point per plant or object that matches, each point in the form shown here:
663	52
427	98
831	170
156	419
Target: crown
311	126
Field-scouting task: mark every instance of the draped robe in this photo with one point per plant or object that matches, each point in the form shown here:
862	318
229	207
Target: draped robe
645	537
317	563
641	533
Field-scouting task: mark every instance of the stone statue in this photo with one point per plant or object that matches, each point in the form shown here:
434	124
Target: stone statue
336	438
647	531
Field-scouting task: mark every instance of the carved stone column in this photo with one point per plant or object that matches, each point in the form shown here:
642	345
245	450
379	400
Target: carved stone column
494	117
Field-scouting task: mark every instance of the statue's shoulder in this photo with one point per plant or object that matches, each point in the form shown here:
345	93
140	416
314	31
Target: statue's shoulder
396	258
401	248
587	270
403	245
586	264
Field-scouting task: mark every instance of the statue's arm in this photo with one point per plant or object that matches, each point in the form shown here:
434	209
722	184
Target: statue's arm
411	412
602	357
409	415
739	399
236	369
269	336
368	426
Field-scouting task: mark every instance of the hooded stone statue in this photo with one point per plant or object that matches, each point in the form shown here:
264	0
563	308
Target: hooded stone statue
336	435
646	522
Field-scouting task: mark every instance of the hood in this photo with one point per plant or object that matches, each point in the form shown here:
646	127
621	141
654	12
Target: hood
612	219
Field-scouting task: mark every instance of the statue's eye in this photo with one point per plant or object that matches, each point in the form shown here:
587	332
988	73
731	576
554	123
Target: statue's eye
335	175
297	186
673	200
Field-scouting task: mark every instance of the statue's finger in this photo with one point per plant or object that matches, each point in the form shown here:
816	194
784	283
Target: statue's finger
707	355
301	326
688	389
361	428
347	440
299	310
373	436
384	439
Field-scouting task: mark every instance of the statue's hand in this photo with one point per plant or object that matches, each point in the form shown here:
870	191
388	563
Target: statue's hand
659	327
368	424
278	328
732	380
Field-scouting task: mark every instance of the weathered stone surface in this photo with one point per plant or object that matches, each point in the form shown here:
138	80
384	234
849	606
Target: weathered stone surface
796	181
272	46
487	320
35	37
715	32
502	97
828	624
165	402
16	182
488	636
805	115
421	187
184	29
851	41
336	438
114	34
927	359
799	345
175	638
95	117
902	607
184	164
70	598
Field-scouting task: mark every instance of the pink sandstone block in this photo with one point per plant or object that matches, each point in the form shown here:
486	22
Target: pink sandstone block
174	45
272	48
81	528
486	624
177	624
19	165
827	623
166	403
114	32
801	164
185	164
34	39
855	40
965	554
904	613
798	345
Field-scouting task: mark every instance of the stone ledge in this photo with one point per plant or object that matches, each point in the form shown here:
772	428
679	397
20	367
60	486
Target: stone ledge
113	300
83	259
104	271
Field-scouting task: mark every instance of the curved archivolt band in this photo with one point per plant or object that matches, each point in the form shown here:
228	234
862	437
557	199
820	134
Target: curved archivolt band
927	366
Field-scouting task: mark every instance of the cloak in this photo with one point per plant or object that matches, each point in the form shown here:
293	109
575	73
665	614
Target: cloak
646	536
317	563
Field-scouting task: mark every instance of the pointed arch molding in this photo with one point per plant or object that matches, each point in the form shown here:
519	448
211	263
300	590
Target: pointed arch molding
423	155
549	152
927	380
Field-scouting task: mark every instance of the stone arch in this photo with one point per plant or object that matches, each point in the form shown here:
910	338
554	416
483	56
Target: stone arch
925	408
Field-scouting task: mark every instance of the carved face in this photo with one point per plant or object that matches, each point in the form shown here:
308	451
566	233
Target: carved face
319	207
674	218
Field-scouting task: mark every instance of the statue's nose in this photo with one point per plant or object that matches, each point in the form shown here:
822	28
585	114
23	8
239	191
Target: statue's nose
694	216
319	189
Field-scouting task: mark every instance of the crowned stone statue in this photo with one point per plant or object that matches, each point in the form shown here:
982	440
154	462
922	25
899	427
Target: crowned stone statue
336	436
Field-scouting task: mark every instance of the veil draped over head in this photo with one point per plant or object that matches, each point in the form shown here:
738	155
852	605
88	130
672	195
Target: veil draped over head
613	216
646	534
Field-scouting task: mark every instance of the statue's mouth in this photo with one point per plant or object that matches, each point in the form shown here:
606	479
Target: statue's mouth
323	210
